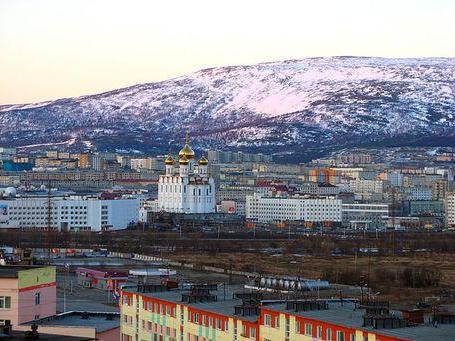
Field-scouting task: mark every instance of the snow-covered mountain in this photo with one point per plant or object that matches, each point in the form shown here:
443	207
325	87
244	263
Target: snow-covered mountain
286	107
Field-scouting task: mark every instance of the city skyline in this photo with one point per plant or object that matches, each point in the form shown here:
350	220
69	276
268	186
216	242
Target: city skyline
53	49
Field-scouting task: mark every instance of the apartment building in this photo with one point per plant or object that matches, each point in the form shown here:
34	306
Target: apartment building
27	293
69	213
225	313
450	209
275	209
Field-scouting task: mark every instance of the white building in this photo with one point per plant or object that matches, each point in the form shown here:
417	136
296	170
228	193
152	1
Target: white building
71	213
187	188
278	209
360	215
450	209
366	186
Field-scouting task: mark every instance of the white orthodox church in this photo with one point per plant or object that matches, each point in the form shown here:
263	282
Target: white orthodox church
186	188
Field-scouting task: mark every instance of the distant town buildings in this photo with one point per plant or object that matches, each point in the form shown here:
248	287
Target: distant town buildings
414	183
450	209
217	156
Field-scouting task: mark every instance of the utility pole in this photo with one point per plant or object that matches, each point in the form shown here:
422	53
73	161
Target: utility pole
49	216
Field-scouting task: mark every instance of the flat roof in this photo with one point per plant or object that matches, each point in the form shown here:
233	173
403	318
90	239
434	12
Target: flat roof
224	305
97	320
345	315
20	335
10	271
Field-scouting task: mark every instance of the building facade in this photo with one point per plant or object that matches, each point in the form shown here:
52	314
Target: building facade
187	188
361	215
27	293
277	209
152	313
69	213
450	209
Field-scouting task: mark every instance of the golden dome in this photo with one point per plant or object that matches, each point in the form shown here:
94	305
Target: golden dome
186	150
169	161
183	160
203	161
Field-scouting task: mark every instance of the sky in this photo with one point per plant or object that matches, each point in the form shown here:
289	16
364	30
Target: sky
51	49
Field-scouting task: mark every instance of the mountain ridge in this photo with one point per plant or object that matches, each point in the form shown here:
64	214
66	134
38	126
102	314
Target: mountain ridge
326	102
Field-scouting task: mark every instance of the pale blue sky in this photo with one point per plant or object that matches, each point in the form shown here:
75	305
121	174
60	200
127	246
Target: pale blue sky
60	48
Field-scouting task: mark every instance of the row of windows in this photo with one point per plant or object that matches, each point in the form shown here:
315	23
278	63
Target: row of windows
308	329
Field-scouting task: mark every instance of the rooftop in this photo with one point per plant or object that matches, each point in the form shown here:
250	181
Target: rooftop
225	304
11	271
101	321
342	313
345	314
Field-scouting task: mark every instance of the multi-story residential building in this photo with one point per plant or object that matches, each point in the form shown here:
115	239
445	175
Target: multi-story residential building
235	193
439	189
203	313
188	188
366	186
149	163
450	209
276	209
416	208
69	213
360	215
354	158
27	293
395	178
418	193
217	156
323	175
321	189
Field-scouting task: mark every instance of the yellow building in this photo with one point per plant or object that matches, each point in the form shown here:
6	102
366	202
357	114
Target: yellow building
203	313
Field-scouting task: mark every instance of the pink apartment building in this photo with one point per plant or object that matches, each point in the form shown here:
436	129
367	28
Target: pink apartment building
27	293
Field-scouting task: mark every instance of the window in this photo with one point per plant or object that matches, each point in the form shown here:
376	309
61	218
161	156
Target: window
218	324
210	321
277	322
308	329
37	298
196	318
243	330
352	337
268	320
340	336
252	333
319	332
329	334
5	302
297	327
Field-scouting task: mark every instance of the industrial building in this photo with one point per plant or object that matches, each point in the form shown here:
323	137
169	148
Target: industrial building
68	213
